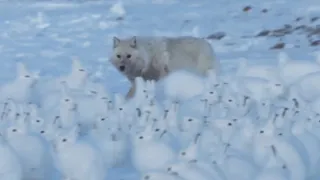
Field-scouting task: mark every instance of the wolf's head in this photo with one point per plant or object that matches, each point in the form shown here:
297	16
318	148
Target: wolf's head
127	57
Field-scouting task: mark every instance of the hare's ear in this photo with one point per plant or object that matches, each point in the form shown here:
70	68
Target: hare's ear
56	123
116	42
133	42
242	68
73	133
19	112
317	56
152	85
36	74
76	63
100	89
196	138
148	131
283	59
212	76
140	86
119	99
64	88
140	83
21	69
33	110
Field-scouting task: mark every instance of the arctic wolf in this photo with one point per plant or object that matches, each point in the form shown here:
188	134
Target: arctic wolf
153	58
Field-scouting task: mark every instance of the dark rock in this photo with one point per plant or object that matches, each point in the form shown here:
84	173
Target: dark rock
316	30
286	29
314	19
263	33
298	19
313	31
229	43
187	21
281	32
288	26
315	43
246	8
119	18
246	37
279	45
217	35
264	10
300	27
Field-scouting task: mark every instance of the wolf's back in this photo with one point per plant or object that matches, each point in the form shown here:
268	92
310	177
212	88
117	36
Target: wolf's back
191	53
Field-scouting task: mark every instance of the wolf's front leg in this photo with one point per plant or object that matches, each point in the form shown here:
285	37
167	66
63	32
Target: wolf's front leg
131	91
165	71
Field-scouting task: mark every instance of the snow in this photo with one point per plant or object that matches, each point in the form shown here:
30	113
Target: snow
118	9
63	113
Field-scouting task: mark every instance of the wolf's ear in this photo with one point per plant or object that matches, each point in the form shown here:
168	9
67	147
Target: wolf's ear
133	42
116	42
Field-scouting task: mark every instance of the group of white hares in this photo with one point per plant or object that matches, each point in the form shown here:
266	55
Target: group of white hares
260	123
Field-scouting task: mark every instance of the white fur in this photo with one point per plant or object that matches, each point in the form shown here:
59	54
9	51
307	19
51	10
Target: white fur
152	58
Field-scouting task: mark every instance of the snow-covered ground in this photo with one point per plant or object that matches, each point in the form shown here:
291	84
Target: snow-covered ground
258	120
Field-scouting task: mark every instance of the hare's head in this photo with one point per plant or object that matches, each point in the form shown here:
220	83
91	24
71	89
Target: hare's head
77	69
66	101
66	138
25	76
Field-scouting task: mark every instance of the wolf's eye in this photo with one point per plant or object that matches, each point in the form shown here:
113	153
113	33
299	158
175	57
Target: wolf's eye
119	56
129	56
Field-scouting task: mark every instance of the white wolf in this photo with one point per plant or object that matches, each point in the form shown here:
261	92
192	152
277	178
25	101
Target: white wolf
152	58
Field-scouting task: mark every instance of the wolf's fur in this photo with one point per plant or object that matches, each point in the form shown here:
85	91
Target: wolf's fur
152	58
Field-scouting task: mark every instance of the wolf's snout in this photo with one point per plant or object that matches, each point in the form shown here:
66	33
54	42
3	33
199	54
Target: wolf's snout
122	68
